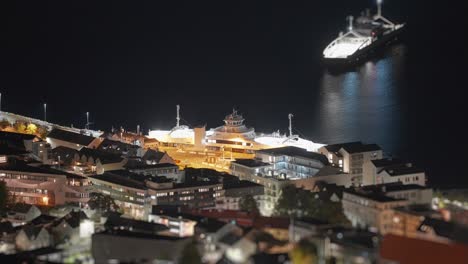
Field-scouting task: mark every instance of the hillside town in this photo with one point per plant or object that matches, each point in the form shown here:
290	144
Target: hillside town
222	195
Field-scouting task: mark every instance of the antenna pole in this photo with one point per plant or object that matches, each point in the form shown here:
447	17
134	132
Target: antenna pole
290	124
178	116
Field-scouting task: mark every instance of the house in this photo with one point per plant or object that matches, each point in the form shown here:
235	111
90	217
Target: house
393	170
350	157
7	237
152	157
18	141
119	148
23	213
32	237
58	137
123	246
98	161
72	228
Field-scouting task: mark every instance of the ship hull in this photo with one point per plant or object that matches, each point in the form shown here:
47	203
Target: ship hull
362	55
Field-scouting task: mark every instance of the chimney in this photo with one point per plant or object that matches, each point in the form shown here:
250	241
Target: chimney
384	188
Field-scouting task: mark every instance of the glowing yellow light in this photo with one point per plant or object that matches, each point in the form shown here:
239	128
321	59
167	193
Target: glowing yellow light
45	200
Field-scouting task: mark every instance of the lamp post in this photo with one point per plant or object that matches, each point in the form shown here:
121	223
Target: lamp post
0	102
45	112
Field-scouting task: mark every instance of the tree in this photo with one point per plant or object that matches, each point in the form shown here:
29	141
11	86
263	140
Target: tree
31	128
248	203
4	124
190	254
7	199
301	203
102	202
20	127
304	252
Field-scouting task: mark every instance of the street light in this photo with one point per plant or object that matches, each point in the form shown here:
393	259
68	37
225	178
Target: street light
45	112
0	102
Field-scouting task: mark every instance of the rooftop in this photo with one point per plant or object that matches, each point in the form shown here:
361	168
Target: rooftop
72	137
104	157
295	152
119	180
252	163
353	147
377	196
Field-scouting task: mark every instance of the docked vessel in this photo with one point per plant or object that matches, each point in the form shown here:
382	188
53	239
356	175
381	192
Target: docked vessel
233	136
365	35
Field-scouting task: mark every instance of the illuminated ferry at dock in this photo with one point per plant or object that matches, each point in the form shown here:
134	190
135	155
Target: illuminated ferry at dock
365	34
233	136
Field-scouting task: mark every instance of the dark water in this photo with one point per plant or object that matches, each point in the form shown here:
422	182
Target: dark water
131	64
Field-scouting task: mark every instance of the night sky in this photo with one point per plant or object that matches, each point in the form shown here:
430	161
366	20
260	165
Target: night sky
130	63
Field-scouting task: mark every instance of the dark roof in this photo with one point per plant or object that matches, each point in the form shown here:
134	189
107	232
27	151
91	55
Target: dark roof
229	239
103	156
114	146
449	230
74	218
139	177
353	147
403	170
152	154
120	180
21	208
21	166
194	184
380	163
356	238
337	147
295	152
393	187
5	149
31	231
6	227
43	219
142	165
377	196
240	184
252	163
418	209
115	222
72	137
127	233
15	140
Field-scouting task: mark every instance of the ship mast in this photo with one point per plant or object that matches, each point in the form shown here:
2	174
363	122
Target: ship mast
379	8
290	116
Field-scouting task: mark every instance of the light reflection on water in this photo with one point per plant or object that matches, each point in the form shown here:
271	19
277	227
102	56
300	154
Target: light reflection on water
364	104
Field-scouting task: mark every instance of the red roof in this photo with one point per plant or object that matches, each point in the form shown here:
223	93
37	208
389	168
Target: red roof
406	250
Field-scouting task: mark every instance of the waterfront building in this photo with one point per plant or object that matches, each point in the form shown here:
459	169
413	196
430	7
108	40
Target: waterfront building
44	185
389	170
135	193
351	157
278	167
372	206
234	190
371	210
